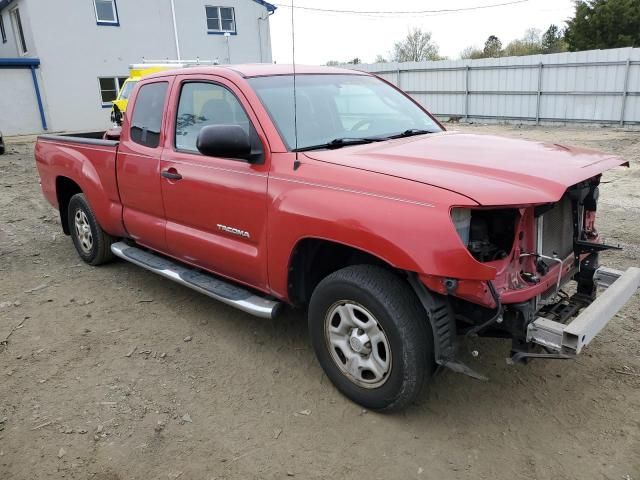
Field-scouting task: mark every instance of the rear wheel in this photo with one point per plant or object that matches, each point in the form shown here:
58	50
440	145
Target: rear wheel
92	243
371	336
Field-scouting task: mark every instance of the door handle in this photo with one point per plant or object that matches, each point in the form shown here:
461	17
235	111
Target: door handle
171	174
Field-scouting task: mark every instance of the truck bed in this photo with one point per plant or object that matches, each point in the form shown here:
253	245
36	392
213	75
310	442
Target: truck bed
85	163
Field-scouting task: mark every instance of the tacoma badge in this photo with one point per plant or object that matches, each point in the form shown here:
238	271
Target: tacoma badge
234	231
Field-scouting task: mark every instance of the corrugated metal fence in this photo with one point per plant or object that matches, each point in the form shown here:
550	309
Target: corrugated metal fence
596	86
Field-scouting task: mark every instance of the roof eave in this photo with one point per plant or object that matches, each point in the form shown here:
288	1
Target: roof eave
4	4
270	7
19	62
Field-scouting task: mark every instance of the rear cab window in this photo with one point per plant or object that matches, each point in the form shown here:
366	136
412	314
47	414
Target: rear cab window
146	123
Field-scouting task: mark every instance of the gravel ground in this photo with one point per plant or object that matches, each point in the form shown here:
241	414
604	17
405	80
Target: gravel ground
113	373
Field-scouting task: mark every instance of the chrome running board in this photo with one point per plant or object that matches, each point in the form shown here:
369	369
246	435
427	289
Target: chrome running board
214	287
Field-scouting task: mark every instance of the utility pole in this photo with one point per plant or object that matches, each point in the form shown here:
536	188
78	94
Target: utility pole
227	35
175	29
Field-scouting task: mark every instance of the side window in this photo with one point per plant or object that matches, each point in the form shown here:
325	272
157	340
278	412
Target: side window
220	19
17	27
106	12
110	88
147	114
206	104
3	32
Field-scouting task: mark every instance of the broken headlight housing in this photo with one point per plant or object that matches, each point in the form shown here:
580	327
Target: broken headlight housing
488	234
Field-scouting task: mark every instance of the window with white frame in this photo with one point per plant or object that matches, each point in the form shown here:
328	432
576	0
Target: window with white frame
106	12
109	89
19	32
3	32
220	19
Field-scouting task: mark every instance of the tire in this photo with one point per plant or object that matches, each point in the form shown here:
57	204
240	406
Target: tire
403	356
92	243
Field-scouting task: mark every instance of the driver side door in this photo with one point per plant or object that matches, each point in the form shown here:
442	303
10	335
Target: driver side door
215	208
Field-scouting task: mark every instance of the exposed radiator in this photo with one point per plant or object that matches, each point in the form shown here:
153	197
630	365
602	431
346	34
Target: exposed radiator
557	230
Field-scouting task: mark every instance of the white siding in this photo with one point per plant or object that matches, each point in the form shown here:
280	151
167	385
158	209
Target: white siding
18	100
74	51
72	60
245	47
10	49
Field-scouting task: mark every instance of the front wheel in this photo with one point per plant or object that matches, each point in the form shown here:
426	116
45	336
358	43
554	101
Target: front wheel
371	336
92	243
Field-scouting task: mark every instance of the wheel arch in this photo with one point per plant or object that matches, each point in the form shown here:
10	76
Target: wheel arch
314	258
65	189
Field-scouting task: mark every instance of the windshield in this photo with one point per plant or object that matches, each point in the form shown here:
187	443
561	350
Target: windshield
331	107
125	92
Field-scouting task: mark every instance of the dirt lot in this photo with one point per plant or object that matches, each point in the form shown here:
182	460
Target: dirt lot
113	373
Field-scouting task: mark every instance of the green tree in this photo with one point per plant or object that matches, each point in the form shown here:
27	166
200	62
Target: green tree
355	61
471	53
492	47
599	24
529	44
532	38
518	48
553	40
332	63
380	59
416	47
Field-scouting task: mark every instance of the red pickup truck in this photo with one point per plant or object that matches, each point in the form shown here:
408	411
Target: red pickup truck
397	236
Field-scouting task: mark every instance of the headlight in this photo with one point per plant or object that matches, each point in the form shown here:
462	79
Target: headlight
462	221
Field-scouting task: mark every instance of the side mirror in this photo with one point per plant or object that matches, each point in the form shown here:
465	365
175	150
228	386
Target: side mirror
230	141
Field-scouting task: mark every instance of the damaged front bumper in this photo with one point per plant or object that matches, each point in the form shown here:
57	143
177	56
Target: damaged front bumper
570	338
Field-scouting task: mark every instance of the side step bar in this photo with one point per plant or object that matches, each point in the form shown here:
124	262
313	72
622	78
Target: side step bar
212	286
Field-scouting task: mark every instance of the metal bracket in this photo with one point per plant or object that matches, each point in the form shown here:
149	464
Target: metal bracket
580	246
443	325
571	338
546	332
605	277
522	356
460	367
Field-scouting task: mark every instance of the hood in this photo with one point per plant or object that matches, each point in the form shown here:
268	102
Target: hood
488	169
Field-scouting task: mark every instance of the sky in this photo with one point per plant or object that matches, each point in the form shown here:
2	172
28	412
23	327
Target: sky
321	37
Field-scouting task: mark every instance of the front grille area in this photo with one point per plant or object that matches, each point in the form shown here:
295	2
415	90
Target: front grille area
557	230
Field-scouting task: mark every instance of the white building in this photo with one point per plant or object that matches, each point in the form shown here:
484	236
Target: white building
62	61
